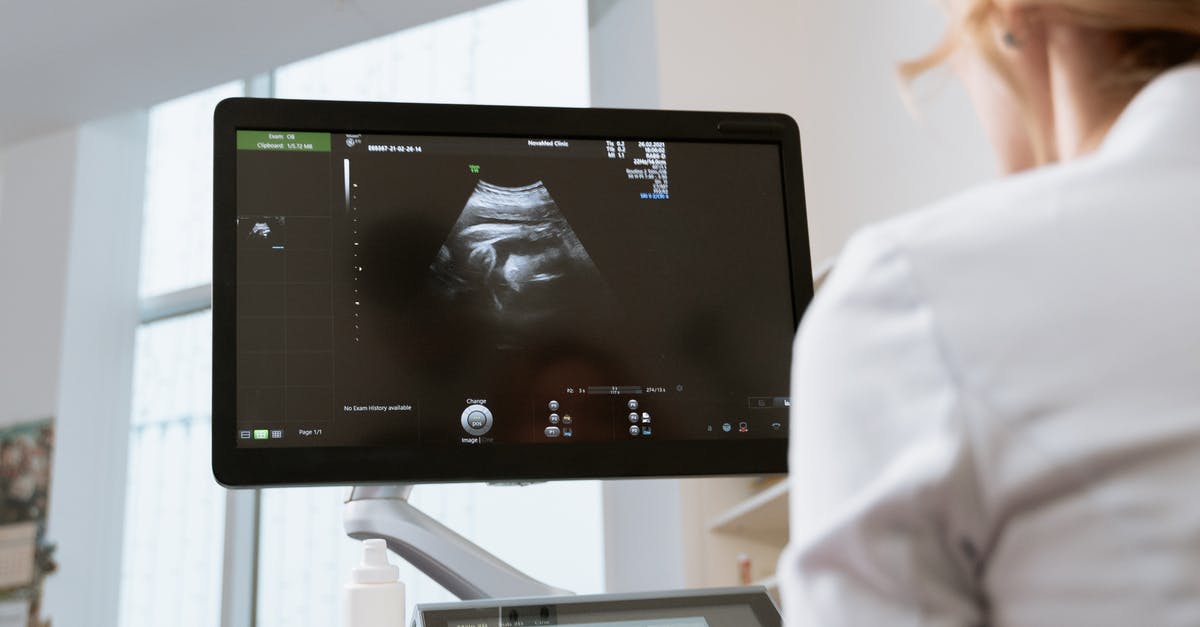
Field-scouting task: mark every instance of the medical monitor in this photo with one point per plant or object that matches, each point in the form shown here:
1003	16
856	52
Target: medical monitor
416	293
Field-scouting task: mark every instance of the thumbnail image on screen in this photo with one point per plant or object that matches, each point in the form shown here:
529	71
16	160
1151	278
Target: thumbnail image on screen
475	291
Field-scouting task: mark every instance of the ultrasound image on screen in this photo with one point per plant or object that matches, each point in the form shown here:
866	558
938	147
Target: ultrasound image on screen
263	232
514	261
459	291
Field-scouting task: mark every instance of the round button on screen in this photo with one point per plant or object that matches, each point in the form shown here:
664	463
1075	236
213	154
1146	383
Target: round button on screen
477	419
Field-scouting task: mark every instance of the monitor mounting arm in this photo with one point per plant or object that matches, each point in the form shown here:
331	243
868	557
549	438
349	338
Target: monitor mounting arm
457	564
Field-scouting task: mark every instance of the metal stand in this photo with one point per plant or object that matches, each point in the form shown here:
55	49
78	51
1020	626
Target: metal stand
459	565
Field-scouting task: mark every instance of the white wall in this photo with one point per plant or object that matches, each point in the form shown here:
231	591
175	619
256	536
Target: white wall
623	53
865	157
69	232
35	222
643	545
95	375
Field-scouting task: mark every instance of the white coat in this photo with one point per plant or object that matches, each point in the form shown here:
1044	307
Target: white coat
996	401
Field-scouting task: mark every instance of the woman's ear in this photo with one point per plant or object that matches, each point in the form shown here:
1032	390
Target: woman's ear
1022	32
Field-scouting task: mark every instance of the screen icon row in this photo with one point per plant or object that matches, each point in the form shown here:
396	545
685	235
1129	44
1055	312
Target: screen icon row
261	434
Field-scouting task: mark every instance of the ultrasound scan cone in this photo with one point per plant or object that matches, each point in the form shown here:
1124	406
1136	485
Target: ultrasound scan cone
512	260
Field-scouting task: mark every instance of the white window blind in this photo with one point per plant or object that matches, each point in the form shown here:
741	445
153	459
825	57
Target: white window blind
177	220
174	513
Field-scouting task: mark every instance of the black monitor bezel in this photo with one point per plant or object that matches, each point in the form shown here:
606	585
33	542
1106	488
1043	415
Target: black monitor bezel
251	467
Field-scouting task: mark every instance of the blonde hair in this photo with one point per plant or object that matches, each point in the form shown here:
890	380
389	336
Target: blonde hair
1155	36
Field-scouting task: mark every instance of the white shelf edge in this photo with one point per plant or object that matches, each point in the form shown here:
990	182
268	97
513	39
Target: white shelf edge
770	582
731	515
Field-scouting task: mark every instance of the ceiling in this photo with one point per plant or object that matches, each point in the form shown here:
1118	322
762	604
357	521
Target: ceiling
62	63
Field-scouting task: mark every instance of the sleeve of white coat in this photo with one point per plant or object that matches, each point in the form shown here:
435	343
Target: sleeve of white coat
885	510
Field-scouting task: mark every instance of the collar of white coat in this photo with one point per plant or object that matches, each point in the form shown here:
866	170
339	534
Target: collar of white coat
1163	118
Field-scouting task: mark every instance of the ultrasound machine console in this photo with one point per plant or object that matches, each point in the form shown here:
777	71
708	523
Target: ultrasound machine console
406	294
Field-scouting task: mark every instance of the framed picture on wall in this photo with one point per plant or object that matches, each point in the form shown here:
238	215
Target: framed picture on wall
26	557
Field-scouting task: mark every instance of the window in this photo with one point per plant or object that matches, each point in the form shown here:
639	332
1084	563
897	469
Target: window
174	516
520	52
177	220
529	52
174	512
550	531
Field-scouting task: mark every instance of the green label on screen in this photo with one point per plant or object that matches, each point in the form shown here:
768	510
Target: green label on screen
283	141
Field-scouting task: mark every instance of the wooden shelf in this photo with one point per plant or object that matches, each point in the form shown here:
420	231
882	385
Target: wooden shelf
735	519
763	516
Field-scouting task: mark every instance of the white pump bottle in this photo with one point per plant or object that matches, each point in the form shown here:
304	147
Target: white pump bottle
375	595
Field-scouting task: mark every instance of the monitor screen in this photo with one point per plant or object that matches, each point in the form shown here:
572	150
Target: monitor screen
481	294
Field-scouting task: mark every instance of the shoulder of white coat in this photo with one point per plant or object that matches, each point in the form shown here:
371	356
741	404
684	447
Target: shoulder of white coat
895	265
886	262
993	211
